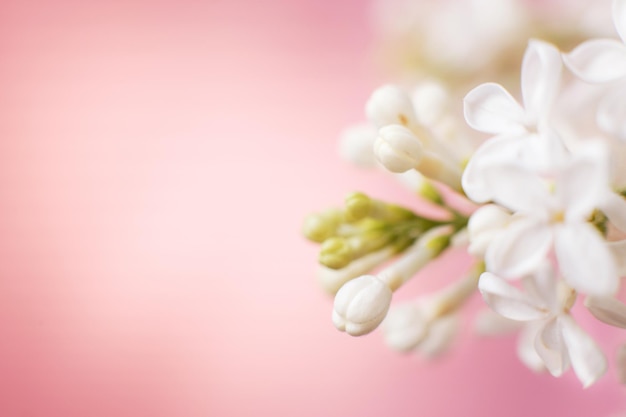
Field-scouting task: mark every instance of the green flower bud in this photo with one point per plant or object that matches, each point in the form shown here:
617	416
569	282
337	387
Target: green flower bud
357	206
336	252
320	226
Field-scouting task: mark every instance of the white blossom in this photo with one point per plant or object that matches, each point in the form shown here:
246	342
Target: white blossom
523	133
554	215
557	339
603	61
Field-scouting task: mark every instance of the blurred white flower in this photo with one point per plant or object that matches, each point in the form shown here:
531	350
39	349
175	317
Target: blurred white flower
602	61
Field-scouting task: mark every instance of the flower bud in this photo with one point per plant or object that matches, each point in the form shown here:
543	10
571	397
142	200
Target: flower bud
405	327
355	145
484	225
397	148
320	226
357	206
441	334
336	252
390	105
361	305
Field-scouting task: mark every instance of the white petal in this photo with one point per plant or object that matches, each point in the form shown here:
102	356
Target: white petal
493	151
517	188
551	348
490	108
608	310
619	18
618	249
584	259
484	225
598	60
586	358
509	301
526	348
541	77
543	153
582	185
520	249
612	114
543	284
614	206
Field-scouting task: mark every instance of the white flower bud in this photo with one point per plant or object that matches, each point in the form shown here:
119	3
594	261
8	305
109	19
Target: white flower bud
484	225
430	100
390	105
419	326
356	143
397	148
405	327
361	305
441	334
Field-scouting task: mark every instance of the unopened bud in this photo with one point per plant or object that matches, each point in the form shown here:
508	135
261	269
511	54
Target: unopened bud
405	327
356	145
361	305
484	225
335	252
390	105
397	148
357	206
320	226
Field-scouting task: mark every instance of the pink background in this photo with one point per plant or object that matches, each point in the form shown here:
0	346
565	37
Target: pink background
156	161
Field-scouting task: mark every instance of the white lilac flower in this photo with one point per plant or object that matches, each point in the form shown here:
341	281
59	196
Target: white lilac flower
522	132
551	330
554	215
603	61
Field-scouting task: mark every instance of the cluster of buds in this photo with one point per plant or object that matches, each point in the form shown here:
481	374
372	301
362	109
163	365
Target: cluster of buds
547	224
364	234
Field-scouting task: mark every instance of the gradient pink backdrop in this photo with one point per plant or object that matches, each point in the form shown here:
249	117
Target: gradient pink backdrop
156	160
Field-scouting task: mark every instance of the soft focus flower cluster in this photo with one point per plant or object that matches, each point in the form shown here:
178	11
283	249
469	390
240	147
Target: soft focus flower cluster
542	164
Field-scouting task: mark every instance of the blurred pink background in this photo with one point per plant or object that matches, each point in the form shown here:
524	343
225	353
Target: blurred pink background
156	161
